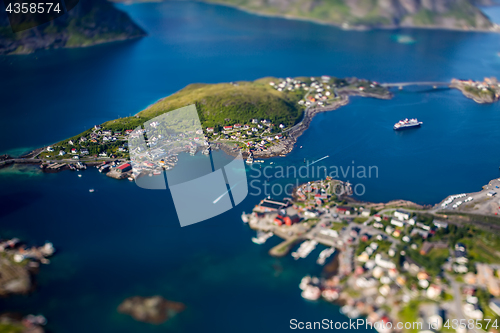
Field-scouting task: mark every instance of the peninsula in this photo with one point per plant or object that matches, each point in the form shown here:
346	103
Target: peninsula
91	22
363	15
260	119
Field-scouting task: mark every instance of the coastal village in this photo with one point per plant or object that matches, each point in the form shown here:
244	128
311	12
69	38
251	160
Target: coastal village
391	265
108	149
256	139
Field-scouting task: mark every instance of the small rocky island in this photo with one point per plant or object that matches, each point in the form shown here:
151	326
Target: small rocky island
153	310
18	264
16	323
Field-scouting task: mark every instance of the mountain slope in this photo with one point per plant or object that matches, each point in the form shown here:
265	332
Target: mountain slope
365	14
90	22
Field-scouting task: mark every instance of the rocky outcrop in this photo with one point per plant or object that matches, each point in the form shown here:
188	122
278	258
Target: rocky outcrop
358	14
154	310
91	22
14	278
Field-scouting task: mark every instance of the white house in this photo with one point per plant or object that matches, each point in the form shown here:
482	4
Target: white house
402	215
365	213
397	223
384	263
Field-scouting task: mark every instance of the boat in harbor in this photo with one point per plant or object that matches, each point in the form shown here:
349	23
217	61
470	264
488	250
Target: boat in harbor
249	159
304	249
407	123
262	237
244	217
306	280
325	254
330	294
311	293
91	190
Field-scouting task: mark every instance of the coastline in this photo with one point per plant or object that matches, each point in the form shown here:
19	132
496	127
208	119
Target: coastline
96	43
361	28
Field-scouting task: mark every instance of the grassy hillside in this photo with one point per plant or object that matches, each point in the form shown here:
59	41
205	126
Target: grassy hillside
217	105
224	104
458	14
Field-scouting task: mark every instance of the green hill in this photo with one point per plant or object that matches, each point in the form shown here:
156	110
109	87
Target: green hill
217	105
224	104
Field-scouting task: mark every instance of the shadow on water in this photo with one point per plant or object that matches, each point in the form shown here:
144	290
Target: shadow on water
17	201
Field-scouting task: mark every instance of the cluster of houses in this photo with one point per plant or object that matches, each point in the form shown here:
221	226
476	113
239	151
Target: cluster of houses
372	264
488	84
258	134
80	148
317	91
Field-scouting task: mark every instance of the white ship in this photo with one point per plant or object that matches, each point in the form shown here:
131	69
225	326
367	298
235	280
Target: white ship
407	123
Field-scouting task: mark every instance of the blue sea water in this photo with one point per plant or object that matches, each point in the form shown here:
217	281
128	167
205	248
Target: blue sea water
122	241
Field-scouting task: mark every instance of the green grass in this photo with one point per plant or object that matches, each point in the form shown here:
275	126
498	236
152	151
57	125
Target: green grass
239	103
217	105
409	314
360	219
11	328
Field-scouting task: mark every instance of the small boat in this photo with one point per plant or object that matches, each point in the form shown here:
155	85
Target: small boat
262	237
80	175
244	217
131	179
305	282
91	190
300	147
311	293
325	254
330	294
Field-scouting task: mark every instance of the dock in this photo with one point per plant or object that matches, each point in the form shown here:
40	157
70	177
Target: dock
55	166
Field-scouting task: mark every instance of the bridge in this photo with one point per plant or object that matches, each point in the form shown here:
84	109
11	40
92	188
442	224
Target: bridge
406	84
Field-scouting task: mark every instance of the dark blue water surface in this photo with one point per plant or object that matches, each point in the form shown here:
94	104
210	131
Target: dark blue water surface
122	241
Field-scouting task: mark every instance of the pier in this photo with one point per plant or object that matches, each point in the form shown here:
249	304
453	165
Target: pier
56	166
